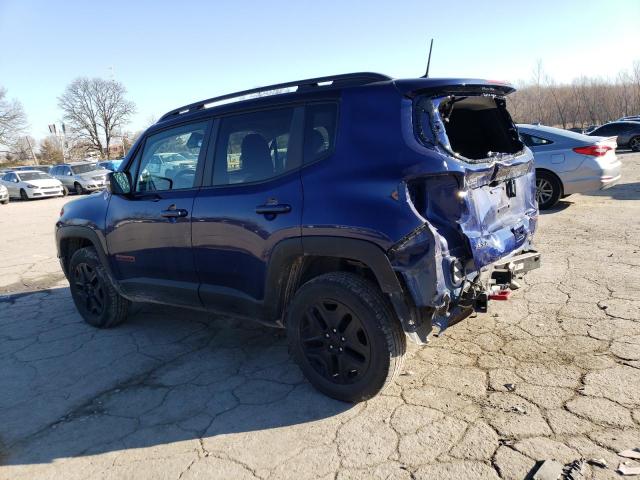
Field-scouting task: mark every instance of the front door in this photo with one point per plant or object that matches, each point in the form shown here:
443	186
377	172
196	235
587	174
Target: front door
149	231
253	201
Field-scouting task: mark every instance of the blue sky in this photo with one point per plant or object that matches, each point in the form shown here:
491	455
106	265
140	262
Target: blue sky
169	53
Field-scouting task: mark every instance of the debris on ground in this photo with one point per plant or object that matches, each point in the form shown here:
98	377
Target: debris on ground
598	462
602	306
549	470
629	468
511	387
631	453
574	470
519	409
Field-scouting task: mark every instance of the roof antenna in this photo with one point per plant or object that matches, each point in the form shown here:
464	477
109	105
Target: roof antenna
426	75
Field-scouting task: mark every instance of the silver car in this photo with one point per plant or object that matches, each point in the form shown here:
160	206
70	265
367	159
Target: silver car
568	162
80	177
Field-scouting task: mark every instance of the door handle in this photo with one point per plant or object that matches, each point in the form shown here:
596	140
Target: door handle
273	209
174	212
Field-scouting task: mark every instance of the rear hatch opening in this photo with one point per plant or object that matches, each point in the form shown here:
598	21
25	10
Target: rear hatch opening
477	128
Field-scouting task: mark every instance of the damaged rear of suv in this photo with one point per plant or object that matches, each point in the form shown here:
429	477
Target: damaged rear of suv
356	211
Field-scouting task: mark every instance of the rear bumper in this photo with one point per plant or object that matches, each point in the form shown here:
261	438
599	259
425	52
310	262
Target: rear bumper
593	177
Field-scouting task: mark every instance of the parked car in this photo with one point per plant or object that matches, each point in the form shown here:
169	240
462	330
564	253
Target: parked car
30	184
111	165
627	133
4	195
40	168
80	177
632	118
568	162
354	212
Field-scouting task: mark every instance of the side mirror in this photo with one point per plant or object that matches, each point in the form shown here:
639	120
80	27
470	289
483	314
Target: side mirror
119	183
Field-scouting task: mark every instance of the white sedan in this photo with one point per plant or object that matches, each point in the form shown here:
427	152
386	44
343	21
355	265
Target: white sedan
30	184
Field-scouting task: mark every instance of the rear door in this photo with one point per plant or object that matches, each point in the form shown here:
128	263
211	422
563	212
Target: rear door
149	232
253	202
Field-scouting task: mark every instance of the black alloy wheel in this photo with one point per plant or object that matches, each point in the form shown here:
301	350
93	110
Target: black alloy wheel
335	342
90	289
345	336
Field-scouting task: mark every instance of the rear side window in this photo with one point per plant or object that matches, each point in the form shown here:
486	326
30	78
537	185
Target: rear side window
606	130
256	146
319	131
534	141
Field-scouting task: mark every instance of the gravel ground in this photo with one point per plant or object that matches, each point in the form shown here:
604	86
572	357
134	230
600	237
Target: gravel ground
180	395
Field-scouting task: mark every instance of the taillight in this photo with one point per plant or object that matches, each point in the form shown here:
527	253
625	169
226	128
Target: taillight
593	150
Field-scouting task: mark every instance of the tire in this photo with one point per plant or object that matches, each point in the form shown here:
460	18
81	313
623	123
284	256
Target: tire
343	313
548	189
78	188
23	195
634	144
92	291
65	191
4	202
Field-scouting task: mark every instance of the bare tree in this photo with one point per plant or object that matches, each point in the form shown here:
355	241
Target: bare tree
13	121
22	150
95	109
51	150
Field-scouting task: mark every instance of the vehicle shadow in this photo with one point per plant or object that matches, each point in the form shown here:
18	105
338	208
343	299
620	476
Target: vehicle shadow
621	191
167	375
558	207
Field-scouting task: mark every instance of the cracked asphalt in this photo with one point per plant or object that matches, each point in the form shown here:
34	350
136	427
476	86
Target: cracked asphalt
180	395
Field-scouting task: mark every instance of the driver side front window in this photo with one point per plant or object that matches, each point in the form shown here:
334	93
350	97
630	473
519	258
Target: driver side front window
170	158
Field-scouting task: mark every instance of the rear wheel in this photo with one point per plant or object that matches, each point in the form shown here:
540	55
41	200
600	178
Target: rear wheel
548	189
78	188
95	297
634	144
23	194
344	336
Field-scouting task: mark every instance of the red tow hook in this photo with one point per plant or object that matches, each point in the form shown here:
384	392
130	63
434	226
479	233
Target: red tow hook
501	295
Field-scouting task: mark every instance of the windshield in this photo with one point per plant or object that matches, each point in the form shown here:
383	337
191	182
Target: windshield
33	176
77	169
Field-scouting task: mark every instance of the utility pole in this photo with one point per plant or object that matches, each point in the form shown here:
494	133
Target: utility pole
33	155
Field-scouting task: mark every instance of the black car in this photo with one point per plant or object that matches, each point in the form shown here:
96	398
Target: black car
628	134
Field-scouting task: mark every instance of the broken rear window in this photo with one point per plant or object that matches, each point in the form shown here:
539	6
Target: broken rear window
476	127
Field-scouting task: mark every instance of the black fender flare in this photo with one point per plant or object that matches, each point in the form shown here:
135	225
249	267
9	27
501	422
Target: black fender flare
287	258
86	233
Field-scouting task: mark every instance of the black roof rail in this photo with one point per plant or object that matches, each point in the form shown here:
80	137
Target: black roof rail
343	80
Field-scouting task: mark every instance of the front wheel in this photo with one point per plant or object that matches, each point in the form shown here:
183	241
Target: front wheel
23	195
634	144
65	191
78	188
345	337
92	291
4	202
548	189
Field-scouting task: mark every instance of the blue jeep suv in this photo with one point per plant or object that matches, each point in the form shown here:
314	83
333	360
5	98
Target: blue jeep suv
355	211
